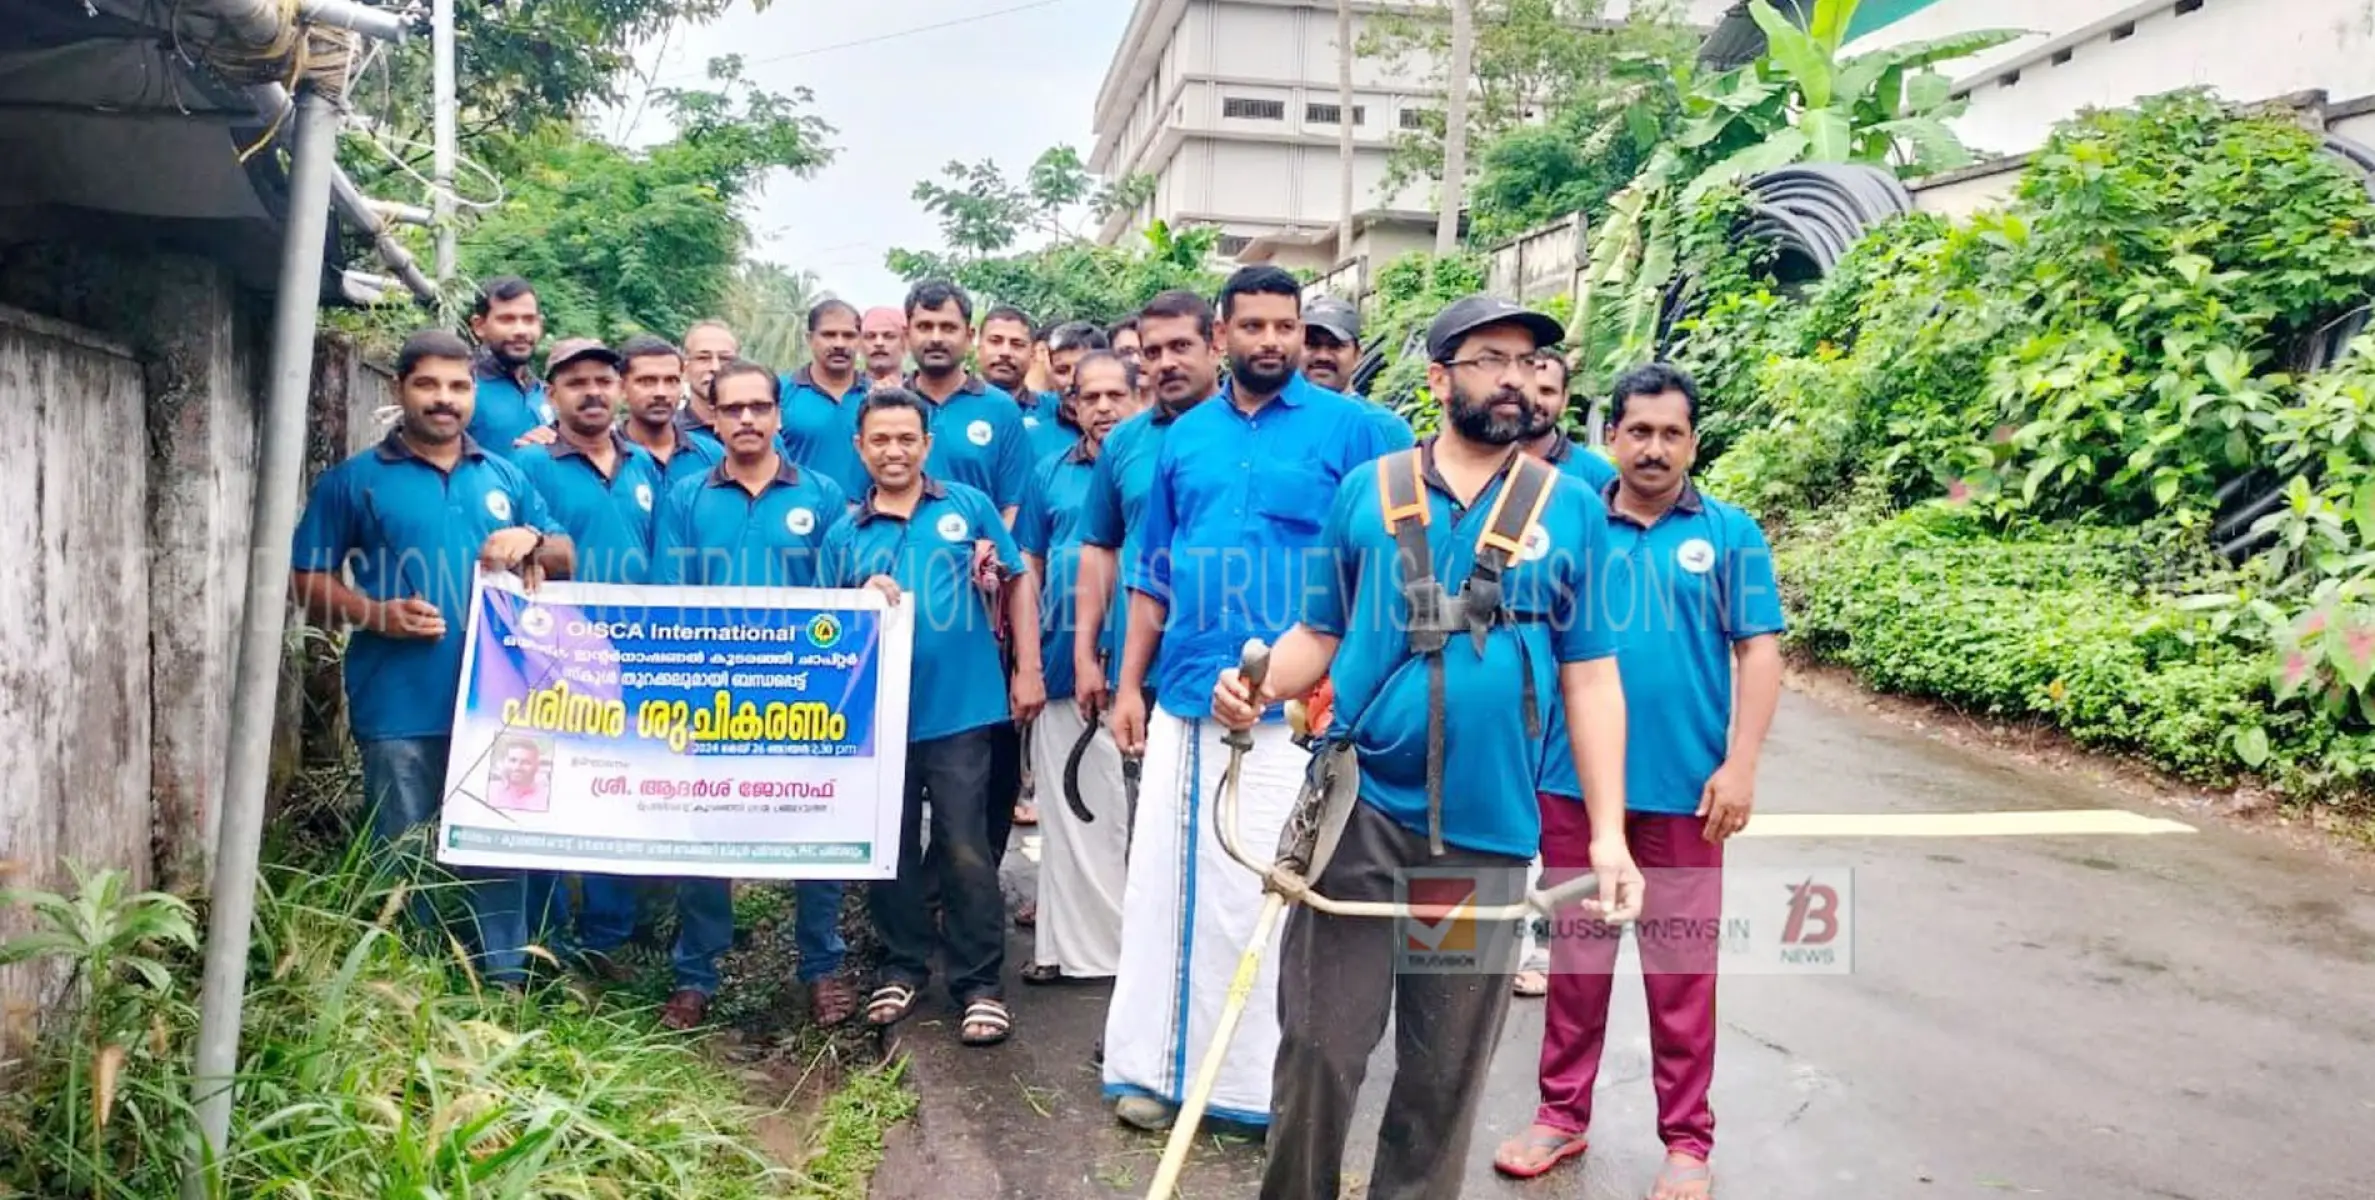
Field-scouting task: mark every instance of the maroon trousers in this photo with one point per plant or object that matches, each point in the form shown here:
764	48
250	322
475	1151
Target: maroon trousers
1679	934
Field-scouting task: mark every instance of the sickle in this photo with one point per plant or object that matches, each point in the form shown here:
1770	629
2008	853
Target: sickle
1080	748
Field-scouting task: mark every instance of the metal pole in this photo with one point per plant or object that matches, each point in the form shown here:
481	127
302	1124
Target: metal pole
1344	123
362	18
1455	126
441	55
279	467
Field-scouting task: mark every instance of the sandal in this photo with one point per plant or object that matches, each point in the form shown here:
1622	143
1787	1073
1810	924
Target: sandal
890	1005
1039	974
831	1001
1683	1178
1026	815
1027	917
1530	984
985	1014
1531	1155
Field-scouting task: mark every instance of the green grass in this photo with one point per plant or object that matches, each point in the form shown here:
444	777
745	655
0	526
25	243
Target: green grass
849	1136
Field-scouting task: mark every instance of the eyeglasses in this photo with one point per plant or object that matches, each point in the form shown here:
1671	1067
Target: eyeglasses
1492	363
736	412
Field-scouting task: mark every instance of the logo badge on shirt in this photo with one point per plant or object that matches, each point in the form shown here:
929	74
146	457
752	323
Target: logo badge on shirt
952	528
500	505
979	433
536	622
1695	556
643	496
800	521
1030	422
1536	547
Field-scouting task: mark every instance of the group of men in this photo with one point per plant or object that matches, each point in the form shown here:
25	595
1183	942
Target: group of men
1090	523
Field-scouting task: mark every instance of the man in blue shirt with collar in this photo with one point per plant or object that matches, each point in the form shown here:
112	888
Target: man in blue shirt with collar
511	407
1687	586
1341	978
820	400
1546	441
1332	350
756	520
912	537
410	519
1058	428
1231	523
708	346
602	489
1079	925
654	385
978	436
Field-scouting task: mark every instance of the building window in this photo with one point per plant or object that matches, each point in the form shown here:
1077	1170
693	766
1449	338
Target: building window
2183	7
1416	118
1231	245
1330	114
1249	109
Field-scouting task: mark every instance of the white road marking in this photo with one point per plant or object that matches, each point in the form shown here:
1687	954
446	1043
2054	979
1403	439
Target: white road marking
1031	846
2046	823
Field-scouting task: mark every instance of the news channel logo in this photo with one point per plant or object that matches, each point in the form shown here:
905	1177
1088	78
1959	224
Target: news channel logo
1740	920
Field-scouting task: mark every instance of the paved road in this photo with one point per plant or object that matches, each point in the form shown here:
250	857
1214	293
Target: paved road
2180	1017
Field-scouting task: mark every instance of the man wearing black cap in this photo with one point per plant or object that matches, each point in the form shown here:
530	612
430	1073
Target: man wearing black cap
1331	352
1419	702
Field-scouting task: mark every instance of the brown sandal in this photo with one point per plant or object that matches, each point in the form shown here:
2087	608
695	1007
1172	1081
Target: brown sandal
831	1001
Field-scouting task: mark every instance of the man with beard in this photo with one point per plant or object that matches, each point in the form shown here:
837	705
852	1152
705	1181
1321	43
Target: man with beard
1240	488
708	346
603	489
820	403
1546	441
884	335
511	407
756	520
407	520
1007	353
978	436
912	537
654	381
1079	923
1701	573
1419	701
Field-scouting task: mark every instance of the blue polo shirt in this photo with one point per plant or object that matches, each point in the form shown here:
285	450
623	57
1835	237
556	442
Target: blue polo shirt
1050	528
1489	764
410	529
820	429
959	684
712	532
1583	463
1675	595
1049	430
1232	523
609	519
978	440
696	452
1116	501
1390	424
505	410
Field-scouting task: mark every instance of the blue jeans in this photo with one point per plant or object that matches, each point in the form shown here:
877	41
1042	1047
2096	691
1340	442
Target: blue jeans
705	925
403	790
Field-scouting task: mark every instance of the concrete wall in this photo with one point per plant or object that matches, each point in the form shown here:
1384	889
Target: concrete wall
1540	263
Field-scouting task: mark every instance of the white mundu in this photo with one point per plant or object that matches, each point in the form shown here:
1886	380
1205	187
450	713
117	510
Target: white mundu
1081	866
1187	914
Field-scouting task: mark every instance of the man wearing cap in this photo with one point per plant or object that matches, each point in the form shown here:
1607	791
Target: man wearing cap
820	400
1341	978
1331	351
1239	491
1686	586
883	334
602	488
756	520
653	378
409	521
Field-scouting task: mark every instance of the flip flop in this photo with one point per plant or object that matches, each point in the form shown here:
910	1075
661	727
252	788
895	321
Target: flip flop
1530	984
1678	1173
1558	1144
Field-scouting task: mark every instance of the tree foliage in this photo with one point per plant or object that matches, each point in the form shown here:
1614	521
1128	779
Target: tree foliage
767	307
984	216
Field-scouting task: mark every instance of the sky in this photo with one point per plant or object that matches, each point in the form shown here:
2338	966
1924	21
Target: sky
1007	86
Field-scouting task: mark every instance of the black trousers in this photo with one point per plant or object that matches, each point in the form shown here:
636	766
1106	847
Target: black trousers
1006	781
954	773
1338	980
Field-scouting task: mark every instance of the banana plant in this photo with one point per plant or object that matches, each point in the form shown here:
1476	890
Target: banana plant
1799	102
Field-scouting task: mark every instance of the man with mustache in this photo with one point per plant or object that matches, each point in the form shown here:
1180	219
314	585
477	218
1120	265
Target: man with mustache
1546	441
407	521
1059	428
820	402
1008	352
884	336
1686	587
1332	348
1122	336
708	346
603	489
912	537
511	406
1468	523
756	520
978	437
1078	928
655	388
1240	489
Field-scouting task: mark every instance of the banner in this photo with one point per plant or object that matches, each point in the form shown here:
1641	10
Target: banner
751	733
